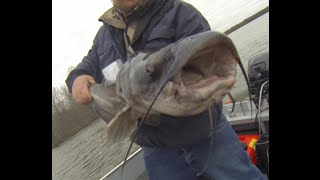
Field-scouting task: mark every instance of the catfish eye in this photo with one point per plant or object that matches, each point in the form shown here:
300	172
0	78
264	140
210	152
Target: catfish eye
152	72
149	70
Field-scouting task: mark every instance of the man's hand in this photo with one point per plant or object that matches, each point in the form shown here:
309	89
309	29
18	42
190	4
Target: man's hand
80	89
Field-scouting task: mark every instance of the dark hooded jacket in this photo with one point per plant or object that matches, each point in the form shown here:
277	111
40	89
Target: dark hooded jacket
157	24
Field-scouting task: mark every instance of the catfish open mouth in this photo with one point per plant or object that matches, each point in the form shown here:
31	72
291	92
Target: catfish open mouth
205	72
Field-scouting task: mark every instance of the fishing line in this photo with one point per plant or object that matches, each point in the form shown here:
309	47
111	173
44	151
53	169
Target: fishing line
138	127
247	81
242	109
211	131
233	102
169	74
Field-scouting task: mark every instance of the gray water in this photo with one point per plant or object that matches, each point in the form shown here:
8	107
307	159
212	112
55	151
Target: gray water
250	40
87	156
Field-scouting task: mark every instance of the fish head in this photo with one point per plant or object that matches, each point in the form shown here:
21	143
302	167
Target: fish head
192	74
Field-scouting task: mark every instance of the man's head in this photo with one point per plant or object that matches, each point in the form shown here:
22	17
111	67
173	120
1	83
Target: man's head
125	6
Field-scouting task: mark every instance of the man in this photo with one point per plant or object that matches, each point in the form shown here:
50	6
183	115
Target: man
179	147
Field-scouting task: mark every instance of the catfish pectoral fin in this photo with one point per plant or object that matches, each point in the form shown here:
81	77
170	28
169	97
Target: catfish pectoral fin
123	124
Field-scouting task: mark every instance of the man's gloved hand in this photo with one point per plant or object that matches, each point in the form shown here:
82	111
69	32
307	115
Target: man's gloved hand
80	89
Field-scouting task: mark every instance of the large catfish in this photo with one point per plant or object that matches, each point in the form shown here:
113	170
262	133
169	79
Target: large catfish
190	74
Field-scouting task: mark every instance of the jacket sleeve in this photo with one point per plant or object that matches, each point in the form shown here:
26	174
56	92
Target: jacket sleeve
89	65
189	21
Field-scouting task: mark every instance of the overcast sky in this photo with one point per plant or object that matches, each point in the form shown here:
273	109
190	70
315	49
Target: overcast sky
75	23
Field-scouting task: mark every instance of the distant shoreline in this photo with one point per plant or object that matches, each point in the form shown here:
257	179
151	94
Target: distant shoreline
248	20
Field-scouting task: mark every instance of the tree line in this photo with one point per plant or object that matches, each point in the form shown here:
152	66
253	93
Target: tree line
68	117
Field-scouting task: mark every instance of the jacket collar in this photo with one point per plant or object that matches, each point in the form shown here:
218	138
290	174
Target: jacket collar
114	17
